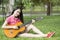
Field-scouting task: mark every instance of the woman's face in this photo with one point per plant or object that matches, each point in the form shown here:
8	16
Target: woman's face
16	12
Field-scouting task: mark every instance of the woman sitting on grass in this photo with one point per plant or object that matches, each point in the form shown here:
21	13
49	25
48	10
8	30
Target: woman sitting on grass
15	17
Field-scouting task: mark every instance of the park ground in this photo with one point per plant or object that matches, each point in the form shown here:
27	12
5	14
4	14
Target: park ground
48	24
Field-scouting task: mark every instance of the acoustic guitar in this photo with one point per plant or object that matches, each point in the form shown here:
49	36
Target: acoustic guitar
11	33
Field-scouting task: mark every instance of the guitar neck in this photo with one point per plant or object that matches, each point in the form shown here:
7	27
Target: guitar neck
26	23
36	19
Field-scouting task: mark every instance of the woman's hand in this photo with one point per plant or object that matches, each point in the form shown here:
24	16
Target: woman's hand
15	27
10	27
33	21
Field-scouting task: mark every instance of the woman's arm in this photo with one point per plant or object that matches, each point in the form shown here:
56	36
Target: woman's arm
5	26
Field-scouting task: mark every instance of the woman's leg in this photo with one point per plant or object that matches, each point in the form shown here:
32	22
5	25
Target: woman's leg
39	33
31	35
36	30
29	27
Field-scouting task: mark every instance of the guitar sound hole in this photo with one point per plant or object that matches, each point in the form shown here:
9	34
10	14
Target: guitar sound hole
11	31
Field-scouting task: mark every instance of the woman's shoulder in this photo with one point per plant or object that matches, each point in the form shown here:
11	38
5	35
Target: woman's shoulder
8	18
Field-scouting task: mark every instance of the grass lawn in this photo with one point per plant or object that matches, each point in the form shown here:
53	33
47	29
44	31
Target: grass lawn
48	24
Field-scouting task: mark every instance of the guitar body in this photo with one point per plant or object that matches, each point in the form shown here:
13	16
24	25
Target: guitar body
11	33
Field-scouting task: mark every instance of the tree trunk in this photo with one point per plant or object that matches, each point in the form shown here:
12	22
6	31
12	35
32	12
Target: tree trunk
48	8
11	4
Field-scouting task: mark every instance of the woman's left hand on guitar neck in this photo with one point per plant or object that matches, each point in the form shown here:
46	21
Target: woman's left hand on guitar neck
33	21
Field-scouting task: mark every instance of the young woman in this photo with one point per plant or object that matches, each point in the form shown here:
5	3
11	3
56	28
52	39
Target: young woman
15	17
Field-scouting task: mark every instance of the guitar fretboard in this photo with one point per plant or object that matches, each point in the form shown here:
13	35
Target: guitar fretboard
36	19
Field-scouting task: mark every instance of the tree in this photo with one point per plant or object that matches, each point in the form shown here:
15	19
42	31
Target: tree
48	4
48	8
11	4
0	1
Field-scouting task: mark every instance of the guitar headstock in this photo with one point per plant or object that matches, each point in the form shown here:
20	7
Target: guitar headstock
39	18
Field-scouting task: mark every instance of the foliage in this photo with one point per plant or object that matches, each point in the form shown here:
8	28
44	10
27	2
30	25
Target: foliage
35	2
4	1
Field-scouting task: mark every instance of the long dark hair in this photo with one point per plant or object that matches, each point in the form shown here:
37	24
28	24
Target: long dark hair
21	14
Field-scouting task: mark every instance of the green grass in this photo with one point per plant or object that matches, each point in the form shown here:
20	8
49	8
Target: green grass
48	24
